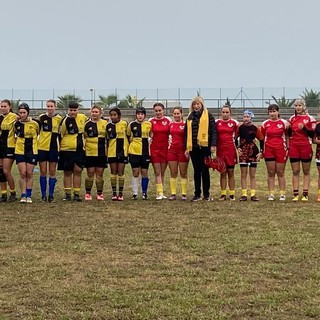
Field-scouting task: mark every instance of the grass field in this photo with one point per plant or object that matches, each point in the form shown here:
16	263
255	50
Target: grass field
161	260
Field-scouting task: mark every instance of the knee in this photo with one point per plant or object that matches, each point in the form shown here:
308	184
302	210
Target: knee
271	174
296	172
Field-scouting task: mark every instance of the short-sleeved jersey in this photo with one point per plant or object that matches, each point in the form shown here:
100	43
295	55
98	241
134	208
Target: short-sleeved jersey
7	132
160	133
275	133
26	137
176	130
226	130
117	139
299	136
71	131
49	132
247	133
139	133
95	138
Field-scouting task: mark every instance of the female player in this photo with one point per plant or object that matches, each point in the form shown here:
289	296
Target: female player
177	160
159	146
275	132
301	132
95	150
226	149
200	139
72	155
139	132
117	151
249	154
7	144
316	140
26	150
48	149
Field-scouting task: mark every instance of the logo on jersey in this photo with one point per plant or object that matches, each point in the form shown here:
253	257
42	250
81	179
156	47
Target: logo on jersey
305	121
230	124
181	127
280	126
164	123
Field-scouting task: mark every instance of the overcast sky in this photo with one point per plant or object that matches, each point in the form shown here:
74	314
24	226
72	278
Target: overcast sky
159	44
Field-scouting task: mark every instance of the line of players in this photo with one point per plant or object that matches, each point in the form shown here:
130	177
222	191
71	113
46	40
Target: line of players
76	141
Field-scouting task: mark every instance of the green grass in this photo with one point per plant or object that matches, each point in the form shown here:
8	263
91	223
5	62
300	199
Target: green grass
161	260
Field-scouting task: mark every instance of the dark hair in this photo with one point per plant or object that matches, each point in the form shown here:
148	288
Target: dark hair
52	101
6	101
141	110
158	104
73	105
117	110
24	106
273	107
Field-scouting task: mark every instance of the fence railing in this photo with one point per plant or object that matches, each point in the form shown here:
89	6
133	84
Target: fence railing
214	97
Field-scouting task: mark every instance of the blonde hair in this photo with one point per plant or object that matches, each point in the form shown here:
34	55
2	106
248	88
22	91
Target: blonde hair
300	101
194	100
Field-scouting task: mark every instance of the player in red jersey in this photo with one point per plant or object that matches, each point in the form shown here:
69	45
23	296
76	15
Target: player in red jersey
177	160
226	149
275	131
249	154
316	140
159	146
301	132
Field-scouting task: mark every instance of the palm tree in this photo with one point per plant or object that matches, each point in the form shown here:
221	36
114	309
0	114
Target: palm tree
107	101
282	102
312	99
63	101
15	105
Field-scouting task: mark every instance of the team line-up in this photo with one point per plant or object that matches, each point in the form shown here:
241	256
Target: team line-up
76	141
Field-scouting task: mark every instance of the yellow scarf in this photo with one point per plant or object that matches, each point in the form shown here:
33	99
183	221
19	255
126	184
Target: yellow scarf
202	131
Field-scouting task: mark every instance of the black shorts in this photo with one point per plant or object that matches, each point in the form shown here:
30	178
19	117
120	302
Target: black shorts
31	159
68	159
93	162
49	156
118	160
6	153
139	161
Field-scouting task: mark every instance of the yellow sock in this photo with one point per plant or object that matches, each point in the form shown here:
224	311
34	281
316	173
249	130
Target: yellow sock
319	191
76	191
282	192
159	187
252	192
271	192
244	192
223	192
67	191
184	186
173	185
232	192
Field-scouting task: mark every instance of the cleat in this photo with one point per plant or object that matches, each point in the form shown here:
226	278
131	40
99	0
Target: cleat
77	198
23	200
206	199
28	200
67	197
12	198
282	197
87	197
232	198
51	199
271	197
114	197
134	197
120	198
195	199
172	197
160	197
223	197
144	196
183	197
295	198
4	198
43	199
244	198
100	197
305	198
254	198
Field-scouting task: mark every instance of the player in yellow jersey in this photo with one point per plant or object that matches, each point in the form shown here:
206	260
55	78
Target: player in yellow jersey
139	132
117	151
72	156
7	143
48	145
95	149
26	150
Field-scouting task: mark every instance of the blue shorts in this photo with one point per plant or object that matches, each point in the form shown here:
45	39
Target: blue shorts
49	156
